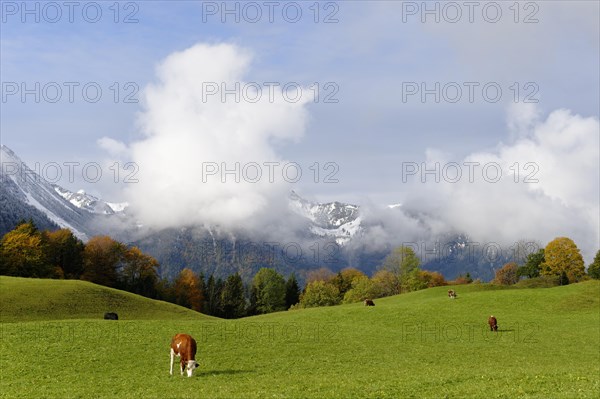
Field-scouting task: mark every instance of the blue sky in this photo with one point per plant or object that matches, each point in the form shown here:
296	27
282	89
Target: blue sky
369	54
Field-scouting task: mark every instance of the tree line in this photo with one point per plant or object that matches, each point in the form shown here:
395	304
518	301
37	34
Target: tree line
27	251
400	272
559	263
231	298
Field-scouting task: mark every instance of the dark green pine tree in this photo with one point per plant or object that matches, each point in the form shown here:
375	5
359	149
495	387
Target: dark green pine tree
219	285
212	303
233	300
202	287
292	291
253	304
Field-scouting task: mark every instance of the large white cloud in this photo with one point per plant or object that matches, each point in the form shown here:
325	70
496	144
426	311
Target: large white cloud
186	129
549	184
555	192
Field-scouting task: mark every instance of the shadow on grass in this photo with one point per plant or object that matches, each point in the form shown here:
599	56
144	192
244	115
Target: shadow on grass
501	330
208	373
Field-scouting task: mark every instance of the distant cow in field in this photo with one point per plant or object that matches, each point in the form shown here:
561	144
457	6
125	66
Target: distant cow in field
111	316
493	323
452	294
369	302
184	346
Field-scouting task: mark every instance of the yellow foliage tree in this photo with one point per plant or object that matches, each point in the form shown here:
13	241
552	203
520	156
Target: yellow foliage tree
23	253
562	255
188	291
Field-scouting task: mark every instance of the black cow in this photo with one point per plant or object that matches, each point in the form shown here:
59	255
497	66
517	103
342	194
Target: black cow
111	316
369	302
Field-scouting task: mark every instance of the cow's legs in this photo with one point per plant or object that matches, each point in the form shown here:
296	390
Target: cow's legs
181	366
172	359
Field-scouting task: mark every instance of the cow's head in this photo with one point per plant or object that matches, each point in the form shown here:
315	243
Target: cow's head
191	366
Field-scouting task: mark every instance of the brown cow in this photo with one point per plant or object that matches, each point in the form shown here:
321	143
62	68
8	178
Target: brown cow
452	294
184	346
493	323
369	302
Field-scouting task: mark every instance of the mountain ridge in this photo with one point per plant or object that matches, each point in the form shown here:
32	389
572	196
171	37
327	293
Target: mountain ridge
25	185
332	234
329	220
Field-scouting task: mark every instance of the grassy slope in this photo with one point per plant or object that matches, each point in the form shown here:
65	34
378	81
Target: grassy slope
25	299
415	345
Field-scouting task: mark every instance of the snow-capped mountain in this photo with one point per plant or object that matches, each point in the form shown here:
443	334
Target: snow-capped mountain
90	203
74	211
24	194
333	219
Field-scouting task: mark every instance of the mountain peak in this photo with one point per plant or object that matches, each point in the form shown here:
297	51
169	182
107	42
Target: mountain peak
332	219
66	209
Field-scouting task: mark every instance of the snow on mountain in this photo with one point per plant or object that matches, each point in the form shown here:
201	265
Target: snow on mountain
76	210
25	194
118	206
333	219
69	210
90	203
29	187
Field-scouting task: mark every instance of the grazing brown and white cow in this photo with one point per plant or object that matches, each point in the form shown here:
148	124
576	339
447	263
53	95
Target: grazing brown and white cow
452	294
493	323
369	302
184	346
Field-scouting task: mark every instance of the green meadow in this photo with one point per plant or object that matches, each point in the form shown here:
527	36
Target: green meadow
55	344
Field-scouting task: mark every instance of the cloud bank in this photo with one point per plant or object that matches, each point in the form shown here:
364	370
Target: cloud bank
192	135
542	184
